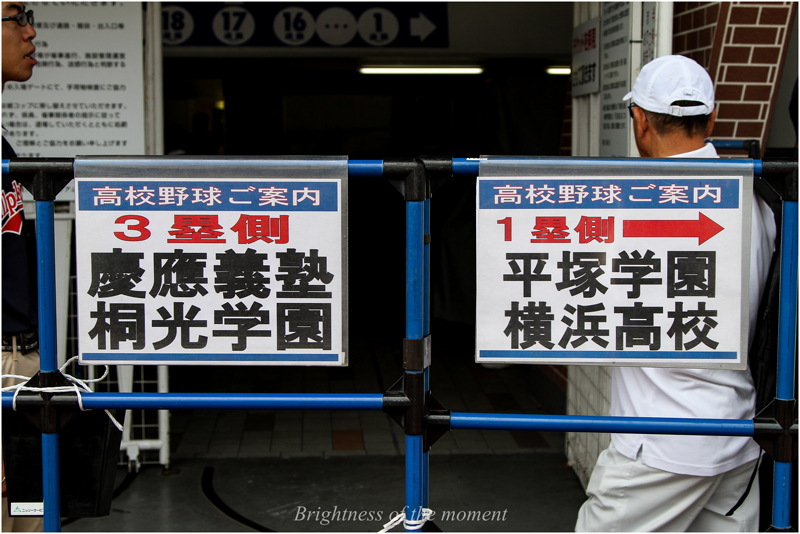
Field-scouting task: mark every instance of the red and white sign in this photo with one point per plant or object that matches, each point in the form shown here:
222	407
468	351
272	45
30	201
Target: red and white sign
635	270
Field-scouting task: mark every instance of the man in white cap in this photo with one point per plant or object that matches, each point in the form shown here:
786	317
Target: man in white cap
657	482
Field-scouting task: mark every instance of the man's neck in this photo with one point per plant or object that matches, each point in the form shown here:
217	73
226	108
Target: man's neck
673	145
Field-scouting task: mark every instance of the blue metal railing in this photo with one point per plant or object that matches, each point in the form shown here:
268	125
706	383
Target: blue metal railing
224	401
417	327
787	346
617	425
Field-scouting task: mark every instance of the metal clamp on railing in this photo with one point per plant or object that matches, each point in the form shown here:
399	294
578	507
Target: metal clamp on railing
775	429
790	183
48	411
437	422
405	402
44	178
56	394
414	186
417	354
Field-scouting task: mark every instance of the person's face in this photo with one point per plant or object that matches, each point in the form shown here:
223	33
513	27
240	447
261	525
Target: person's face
18	49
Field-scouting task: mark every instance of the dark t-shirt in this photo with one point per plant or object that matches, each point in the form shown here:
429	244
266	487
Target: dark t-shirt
20	313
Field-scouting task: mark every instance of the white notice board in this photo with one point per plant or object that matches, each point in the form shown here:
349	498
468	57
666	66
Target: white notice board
211	271
585	58
86	95
615	78
639	270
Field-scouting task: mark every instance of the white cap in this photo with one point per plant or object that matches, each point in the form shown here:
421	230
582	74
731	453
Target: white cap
669	79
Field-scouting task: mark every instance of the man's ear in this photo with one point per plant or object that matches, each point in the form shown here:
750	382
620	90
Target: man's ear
710	127
641	126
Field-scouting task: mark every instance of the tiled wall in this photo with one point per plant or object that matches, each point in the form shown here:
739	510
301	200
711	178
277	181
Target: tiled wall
588	393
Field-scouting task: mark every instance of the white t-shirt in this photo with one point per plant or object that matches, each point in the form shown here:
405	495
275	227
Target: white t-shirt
696	393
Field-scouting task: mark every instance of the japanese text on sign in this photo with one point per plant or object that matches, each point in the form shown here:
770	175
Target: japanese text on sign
603	270
206	271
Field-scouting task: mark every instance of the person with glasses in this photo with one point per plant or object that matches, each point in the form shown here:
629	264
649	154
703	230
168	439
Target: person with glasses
18	48
20	314
651	482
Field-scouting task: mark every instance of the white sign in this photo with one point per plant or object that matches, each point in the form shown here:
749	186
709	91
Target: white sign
378	26
177	25
233	25
86	96
585	59
649	14
635	270
336	26
211	271
294	26
615	79
26	508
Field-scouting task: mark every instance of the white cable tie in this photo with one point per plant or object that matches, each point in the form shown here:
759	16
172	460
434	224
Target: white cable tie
408	524
76	384
19	377
393	522
411	524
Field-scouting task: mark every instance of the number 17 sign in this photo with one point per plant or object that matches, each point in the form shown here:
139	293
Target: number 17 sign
637	271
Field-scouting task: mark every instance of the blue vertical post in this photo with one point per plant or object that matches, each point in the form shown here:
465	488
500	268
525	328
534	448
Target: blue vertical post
426	330
787	350
415	318
48	361
415	270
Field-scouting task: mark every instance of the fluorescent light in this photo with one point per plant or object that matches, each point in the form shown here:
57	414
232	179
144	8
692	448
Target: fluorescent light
421	70
559	70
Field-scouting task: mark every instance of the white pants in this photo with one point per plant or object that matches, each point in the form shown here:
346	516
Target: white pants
627	496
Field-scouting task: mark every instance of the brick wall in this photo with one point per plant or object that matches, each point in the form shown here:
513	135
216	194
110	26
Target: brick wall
742	45
693	29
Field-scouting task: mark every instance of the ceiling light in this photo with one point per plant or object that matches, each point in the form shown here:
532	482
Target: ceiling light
421	70
559	70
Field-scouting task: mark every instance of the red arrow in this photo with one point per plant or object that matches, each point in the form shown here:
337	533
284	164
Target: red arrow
703	229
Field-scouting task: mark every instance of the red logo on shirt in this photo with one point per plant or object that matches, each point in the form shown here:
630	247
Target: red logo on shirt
12	209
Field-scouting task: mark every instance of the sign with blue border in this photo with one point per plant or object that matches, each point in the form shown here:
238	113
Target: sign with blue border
211	271
630	270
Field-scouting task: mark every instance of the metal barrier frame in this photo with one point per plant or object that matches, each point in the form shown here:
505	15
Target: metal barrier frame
409	401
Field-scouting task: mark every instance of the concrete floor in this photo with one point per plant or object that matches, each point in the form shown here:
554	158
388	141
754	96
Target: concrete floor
528	493
306	471
457	382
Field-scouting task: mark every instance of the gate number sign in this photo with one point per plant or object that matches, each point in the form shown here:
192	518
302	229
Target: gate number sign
208	271
636	271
